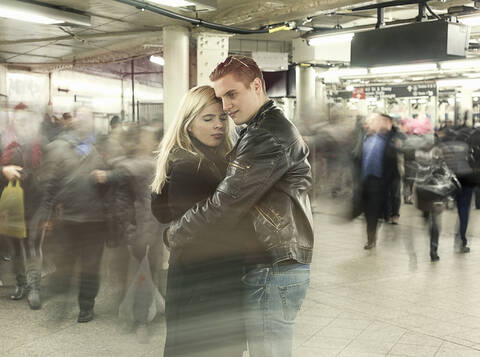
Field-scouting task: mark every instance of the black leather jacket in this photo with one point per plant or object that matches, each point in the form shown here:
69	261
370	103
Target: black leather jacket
267	181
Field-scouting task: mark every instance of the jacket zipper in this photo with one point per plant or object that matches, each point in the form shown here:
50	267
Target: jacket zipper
264	215
234	164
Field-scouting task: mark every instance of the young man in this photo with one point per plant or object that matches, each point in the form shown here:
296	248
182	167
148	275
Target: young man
266	186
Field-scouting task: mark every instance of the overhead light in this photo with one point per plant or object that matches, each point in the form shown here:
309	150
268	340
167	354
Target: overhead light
173	3
404	68
157	60
23	11
465	83
470	20
200	5
398	80
343	72
460	64
471	75
331	38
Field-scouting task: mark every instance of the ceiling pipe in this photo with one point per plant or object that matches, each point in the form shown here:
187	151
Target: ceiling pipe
197	22
85	37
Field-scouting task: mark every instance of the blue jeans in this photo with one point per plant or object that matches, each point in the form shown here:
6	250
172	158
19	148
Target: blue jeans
273	297
464	201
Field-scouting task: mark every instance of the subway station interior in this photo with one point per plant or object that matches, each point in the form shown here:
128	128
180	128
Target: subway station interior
330	66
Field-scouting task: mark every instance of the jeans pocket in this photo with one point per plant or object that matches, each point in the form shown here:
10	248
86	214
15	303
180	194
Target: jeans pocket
292	298
256	277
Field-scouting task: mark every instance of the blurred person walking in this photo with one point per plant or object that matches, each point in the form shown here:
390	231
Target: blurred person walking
376	160
131	224
21	161
73	202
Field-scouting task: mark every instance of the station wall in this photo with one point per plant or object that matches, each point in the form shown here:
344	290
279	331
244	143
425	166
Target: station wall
68	89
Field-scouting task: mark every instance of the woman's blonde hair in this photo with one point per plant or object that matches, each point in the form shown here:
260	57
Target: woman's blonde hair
177	136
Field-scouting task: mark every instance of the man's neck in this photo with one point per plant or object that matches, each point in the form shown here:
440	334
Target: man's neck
262	103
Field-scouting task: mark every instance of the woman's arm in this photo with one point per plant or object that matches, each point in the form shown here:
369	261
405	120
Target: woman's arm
185	187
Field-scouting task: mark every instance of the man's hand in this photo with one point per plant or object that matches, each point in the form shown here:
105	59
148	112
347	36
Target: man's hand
12	172
100	176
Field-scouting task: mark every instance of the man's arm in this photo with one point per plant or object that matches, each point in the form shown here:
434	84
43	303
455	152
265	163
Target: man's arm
10	172
50	175
260	162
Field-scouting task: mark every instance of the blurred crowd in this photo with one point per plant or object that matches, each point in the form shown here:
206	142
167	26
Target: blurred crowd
385	162
68	192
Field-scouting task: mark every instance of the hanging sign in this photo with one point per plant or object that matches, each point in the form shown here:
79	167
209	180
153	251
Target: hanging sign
398	90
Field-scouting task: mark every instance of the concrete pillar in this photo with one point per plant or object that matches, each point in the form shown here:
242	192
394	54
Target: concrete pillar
175	71
211	50
3	80
305	111
466	105
321	100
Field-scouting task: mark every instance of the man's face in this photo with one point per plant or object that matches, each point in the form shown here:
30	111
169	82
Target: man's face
239	101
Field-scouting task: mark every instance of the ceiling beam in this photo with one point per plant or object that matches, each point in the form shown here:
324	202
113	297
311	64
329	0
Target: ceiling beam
85	37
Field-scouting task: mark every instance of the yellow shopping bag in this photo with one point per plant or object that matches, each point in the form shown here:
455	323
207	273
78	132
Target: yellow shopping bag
12	211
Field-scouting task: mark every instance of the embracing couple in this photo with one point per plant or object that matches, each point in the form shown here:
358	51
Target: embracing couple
240	223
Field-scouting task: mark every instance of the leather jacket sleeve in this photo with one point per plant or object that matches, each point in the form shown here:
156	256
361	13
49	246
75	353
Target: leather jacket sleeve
258	162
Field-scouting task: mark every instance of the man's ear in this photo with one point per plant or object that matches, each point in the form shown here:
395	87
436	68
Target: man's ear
257	85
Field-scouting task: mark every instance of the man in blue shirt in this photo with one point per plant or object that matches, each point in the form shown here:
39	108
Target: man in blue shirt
378	168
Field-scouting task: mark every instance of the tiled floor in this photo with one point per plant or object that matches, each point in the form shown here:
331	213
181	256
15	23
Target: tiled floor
391	301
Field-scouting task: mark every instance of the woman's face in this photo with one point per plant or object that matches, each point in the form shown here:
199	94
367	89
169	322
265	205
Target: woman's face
209	127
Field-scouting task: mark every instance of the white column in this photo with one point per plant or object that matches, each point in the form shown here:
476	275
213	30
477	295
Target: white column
3	80
321	100
211	50
466	105
175	71
305	111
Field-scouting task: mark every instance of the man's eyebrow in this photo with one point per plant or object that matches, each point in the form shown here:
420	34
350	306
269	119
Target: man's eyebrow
231	91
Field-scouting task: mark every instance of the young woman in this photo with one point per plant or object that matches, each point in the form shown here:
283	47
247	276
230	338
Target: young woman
203	299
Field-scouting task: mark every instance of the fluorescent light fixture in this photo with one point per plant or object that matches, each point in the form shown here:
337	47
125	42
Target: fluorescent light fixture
470	20
173	3
350	88
471	75
461	64
23	11
343	72
398	80
332	38
465	83
404	68
200	5
157	60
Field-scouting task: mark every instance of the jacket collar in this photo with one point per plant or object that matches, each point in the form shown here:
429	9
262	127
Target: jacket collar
268	105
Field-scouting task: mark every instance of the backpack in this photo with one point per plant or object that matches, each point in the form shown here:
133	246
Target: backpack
474	143
461	152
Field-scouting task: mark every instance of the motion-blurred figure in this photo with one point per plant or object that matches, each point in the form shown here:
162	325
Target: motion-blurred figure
131	223
73	200
21	160
377	163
